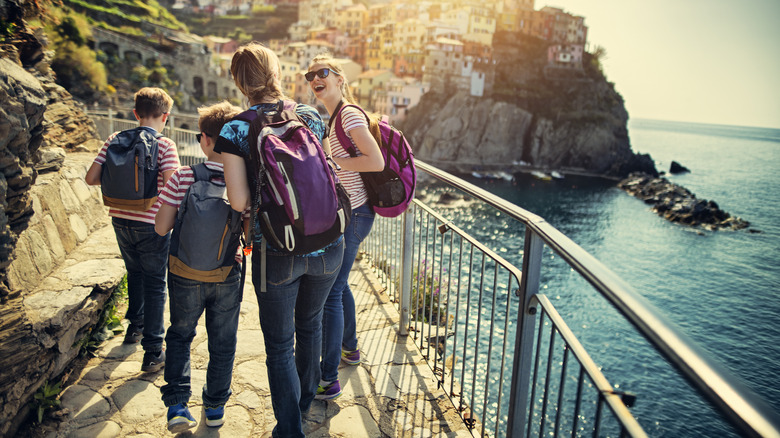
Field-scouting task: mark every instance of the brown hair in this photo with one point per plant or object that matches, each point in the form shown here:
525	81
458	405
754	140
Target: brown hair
212	117
152	102
327	59
255	70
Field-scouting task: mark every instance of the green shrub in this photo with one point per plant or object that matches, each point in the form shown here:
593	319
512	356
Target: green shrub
7	30
426	296
46	398
427	301
109	322
78	65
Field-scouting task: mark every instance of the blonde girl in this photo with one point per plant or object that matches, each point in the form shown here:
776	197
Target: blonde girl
330	86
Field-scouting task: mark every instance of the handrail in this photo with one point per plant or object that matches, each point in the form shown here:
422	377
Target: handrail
744	409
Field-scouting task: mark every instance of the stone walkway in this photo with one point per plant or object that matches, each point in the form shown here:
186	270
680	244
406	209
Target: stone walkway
392	393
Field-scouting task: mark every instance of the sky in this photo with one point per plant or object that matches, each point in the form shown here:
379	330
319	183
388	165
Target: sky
703	61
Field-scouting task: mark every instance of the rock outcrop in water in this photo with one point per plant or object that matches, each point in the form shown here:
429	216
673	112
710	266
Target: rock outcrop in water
678	204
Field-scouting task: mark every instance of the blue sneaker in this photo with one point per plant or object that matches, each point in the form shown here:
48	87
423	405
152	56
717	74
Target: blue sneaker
180	419
215	416
329	391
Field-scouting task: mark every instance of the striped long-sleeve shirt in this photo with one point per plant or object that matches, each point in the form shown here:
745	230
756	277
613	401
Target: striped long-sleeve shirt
351	118
167	160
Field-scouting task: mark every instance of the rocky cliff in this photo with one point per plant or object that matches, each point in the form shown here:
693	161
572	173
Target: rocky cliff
47	212
550	118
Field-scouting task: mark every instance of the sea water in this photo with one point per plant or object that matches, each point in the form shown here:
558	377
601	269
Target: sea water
719	287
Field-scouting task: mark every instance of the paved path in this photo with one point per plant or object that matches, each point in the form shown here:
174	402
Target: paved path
392	393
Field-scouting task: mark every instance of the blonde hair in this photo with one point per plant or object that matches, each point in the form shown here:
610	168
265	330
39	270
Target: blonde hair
152	102
327	59
256	72
212	117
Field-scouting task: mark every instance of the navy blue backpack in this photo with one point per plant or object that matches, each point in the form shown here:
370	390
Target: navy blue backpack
129	174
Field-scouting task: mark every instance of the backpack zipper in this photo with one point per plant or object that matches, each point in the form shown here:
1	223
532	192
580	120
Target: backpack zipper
136	171
291	192
222	240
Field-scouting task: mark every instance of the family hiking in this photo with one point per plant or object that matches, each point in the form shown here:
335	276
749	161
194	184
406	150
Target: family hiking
280	185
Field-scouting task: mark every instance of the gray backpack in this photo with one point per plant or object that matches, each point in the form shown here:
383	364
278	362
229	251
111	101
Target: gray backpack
207	230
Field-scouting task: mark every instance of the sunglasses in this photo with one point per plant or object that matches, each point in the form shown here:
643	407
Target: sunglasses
199	135
322	73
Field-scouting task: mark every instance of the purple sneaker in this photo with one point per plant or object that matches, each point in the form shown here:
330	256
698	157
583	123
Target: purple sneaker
350	357
328	392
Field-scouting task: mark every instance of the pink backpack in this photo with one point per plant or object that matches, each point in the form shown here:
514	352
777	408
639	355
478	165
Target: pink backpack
391	190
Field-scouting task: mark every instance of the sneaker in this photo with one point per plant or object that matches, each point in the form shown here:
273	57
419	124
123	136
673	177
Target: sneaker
350	357
153	362
328	392
215	416
133	334
180	419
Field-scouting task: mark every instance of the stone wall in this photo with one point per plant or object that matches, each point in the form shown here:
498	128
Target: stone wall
65	266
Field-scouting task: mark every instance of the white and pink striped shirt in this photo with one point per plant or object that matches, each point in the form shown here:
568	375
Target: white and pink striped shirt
351	118
181	180
167	159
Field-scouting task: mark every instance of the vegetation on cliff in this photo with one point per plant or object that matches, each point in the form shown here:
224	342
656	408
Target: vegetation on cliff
524	78
548	117
125	16
75	63
90	74
261	24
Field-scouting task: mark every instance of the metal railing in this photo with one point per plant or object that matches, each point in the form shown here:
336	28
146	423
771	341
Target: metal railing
474	316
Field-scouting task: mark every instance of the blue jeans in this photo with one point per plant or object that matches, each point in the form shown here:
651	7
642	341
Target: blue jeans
338	319
222	302
146	259
291	320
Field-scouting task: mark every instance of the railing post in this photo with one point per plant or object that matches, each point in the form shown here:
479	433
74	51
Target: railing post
524	338
406	269
172	130
110	122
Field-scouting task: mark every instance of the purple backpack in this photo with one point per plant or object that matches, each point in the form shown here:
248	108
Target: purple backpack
299	203
391	190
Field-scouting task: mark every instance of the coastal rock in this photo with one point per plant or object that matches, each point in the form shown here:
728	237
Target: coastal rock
678	204
676	168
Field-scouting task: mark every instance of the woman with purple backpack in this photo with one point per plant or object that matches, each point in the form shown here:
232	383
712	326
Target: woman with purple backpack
339	338
296	286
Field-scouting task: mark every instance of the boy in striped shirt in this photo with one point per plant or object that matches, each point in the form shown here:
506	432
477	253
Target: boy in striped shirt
144	252
190	298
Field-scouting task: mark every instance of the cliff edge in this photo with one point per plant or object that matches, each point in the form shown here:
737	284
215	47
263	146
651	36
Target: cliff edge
549	118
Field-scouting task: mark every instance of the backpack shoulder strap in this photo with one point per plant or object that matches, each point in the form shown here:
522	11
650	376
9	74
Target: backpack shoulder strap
346	143
246	116
200	172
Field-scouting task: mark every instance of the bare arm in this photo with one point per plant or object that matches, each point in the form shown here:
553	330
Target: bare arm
166	176
166	217
93	174
326	146
371	160
236	182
